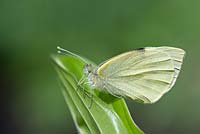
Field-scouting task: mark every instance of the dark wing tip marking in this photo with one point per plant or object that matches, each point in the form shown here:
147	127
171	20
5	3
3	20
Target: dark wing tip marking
141	49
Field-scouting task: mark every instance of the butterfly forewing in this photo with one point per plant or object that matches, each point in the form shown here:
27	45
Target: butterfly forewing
177	56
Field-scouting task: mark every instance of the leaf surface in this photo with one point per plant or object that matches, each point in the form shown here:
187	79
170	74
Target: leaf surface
107	114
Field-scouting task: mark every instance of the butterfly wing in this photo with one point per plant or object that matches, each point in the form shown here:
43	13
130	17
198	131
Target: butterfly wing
144	74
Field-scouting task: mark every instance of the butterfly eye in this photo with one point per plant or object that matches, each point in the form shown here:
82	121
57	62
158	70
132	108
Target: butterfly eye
87	68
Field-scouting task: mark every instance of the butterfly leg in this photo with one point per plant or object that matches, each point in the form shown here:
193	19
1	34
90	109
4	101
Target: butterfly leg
91	101
88	94
80	85
80	82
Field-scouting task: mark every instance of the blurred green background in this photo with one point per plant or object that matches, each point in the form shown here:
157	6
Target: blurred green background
31	101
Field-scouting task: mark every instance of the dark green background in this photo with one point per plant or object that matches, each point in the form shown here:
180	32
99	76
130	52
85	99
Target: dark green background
31	101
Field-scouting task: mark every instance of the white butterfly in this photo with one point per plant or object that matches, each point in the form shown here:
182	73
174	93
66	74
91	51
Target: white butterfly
144	75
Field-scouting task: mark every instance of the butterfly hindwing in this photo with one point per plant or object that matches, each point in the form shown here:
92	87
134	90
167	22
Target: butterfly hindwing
144	74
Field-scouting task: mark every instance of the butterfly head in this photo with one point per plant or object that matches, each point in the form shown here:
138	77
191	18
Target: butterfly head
88	68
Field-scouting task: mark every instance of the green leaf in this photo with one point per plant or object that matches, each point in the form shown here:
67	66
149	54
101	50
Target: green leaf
107	114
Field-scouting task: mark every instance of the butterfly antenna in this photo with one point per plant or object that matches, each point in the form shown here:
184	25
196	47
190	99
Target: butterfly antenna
66	52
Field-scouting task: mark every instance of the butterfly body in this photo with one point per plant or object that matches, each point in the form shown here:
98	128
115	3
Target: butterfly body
143	75
92	77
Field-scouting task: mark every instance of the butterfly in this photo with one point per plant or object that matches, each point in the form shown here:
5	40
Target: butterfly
142	75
